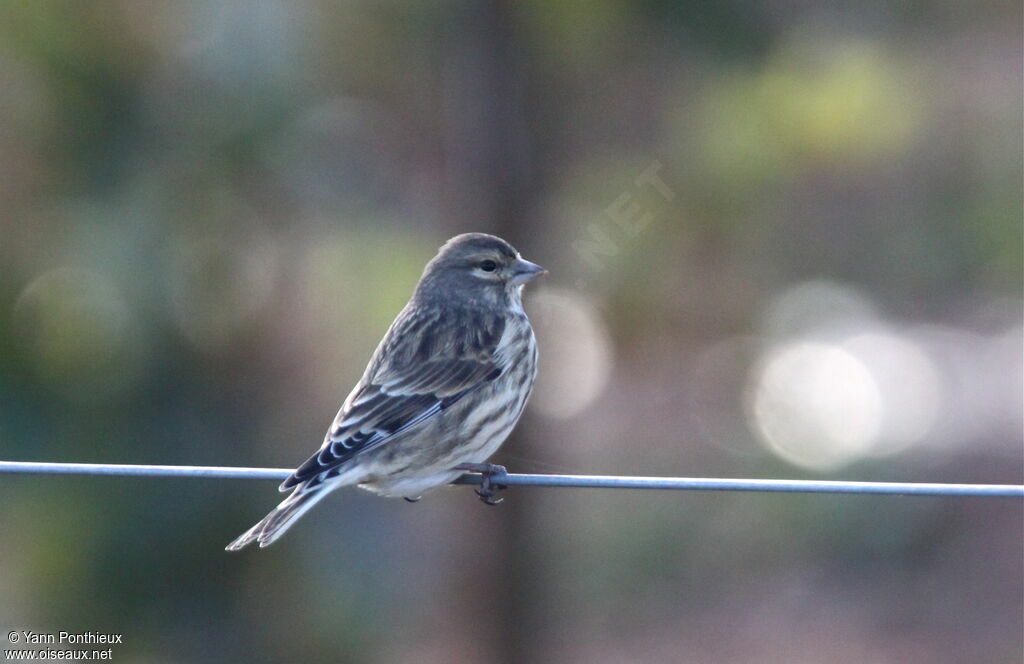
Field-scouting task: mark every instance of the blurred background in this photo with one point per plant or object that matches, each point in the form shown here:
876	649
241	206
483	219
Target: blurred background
785	240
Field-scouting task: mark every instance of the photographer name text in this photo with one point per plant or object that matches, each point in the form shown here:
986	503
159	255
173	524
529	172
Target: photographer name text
64	638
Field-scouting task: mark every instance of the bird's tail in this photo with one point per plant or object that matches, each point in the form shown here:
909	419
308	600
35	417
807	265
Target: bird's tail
281	518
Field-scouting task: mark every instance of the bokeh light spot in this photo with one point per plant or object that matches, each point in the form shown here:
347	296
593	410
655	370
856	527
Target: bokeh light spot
576	353
819	309
909	385
815	405
217	287
79	334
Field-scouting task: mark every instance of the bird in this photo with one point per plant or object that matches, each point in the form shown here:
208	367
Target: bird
441	393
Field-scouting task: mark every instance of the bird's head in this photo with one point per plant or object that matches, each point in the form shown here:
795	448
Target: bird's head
479	266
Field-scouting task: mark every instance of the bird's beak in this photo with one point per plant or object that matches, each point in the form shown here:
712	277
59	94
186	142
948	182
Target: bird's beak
523	271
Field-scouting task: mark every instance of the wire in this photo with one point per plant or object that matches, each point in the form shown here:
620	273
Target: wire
37	468
515	479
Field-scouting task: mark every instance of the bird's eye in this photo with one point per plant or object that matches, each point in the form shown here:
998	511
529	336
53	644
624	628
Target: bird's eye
488	266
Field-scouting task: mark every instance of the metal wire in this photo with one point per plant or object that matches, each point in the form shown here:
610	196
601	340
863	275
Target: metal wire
516	479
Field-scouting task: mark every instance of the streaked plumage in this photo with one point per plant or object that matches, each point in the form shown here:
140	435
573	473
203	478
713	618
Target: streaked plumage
445	386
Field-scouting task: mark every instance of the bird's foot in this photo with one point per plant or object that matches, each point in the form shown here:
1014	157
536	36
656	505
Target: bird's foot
488	489
412	500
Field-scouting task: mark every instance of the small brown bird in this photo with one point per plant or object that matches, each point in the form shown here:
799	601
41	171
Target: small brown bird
441	393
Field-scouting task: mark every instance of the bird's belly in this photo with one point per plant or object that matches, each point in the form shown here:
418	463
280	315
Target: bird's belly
410	486
468	433
429	458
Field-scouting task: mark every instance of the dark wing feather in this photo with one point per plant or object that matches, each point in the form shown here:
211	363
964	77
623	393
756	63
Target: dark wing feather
428	360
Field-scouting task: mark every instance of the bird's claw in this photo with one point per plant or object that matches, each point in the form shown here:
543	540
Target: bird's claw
487	494
488	489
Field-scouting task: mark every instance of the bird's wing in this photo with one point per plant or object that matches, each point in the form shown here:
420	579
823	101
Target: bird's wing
426	362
